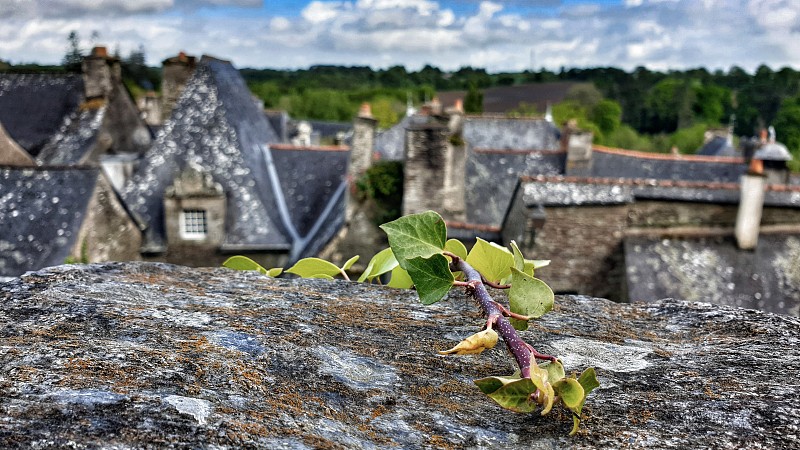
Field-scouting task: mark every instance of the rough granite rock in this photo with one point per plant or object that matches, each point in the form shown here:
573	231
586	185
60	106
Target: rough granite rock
141	355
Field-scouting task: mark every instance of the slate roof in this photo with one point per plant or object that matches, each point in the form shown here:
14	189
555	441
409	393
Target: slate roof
74	139
573	191
500	133
615	163
718	146
47	98
309	178
491	177
501	99
390	143
216	125
41	212
714	270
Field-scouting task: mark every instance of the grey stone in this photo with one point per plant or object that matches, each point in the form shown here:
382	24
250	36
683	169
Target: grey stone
143	355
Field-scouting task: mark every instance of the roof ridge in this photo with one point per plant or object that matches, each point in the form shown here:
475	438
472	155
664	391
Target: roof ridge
670	157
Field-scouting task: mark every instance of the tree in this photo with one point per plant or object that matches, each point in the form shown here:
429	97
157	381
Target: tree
473	102
787	126
74	56
607	115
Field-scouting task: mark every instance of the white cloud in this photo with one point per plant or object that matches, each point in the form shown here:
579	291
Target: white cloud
318	11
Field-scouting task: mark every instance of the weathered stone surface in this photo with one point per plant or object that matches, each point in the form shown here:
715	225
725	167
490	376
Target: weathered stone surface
141	355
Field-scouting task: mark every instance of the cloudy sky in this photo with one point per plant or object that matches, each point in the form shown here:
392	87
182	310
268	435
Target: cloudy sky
499	35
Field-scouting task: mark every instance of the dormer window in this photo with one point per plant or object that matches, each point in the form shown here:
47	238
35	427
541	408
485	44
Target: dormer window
194	224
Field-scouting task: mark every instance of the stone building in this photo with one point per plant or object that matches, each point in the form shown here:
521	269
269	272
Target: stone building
218	181
49	216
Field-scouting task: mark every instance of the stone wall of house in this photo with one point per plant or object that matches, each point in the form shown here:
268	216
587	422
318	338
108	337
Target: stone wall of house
584	244
108	233
140	355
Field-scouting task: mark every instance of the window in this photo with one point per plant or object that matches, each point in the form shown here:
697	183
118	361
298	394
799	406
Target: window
194	224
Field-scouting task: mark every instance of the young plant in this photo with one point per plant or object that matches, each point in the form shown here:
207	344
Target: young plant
421	256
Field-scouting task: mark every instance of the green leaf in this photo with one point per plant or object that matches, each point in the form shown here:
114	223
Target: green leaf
310	267
349	263
416	236
456	247
323	276
490	384
519	260
516	396
538	263
400	279
555	371
243	263
588	380
274	272
431	276
570	391
383	262
491	260
529	296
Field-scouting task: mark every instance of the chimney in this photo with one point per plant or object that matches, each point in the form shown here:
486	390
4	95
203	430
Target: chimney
363	143
751	205
100	74
578	145
435	161
176	72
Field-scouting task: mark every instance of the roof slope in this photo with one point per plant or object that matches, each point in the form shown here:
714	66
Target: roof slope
216	125
612	163
501	99
715	270
510	134
74	139
41	211
47	98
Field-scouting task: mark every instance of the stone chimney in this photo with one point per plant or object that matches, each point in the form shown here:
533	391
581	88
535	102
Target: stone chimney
363	142
100	74
751	205
435	162
176	72
150	106
578	145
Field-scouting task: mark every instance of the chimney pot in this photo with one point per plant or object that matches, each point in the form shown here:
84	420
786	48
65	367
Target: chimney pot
365	112
100	52
459	105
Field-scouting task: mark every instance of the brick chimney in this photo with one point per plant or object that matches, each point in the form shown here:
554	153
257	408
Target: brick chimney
578	145
100	73
751	205
176	72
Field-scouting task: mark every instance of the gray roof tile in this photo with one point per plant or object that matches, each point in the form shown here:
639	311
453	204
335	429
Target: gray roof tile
41	211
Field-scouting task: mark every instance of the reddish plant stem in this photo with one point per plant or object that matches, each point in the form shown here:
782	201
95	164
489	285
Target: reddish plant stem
520	350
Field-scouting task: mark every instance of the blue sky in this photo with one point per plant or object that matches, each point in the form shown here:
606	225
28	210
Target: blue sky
499	35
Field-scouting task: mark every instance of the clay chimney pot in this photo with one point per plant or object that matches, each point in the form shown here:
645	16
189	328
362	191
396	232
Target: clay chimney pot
100	52
365	111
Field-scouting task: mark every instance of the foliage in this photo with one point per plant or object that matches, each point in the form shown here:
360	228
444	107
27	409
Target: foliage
473	101
787	123
74	55
421	255
382	183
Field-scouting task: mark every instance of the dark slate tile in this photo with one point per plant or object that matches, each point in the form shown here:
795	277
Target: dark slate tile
41	212
75	138
49	98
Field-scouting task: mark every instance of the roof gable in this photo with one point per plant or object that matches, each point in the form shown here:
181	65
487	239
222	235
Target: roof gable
216	125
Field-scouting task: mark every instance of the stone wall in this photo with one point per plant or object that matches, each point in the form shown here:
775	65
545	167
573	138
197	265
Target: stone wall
159	356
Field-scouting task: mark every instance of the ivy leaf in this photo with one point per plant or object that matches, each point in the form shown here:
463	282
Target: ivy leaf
431	276
349	263
416	236
555	370
456	247
275	272
540	378
490	384
244	263
514	395
528	296
311	267
570	391
519	260
475	344
588	381
491	260
400	279
383	262
538	263
323	276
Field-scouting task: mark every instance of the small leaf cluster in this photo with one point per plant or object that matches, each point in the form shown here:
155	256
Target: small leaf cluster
420	255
